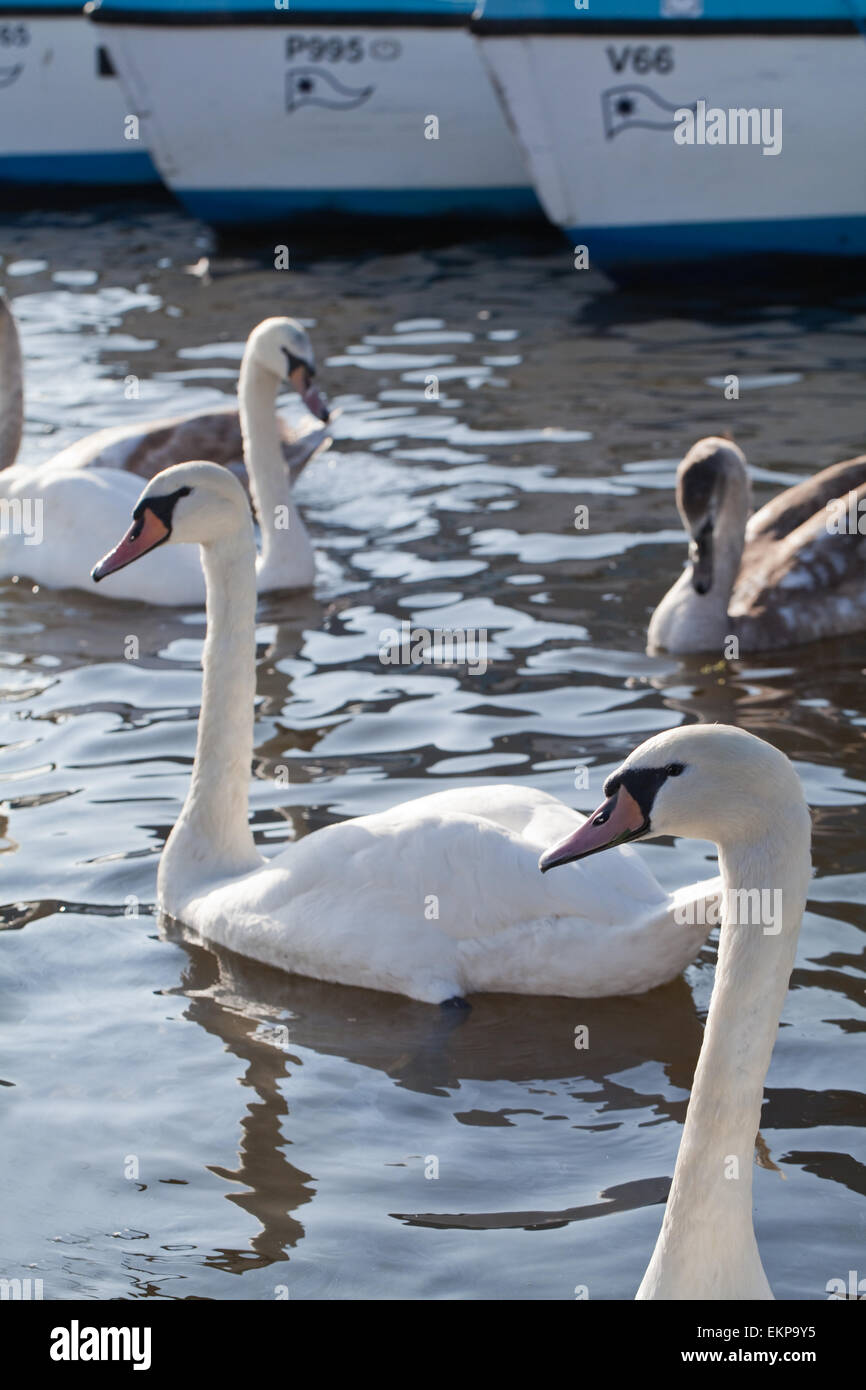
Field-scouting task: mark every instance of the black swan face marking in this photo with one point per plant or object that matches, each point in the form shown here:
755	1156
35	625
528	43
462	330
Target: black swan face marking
293	363
162	507
643	783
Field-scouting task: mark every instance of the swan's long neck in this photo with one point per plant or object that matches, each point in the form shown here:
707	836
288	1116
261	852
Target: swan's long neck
686	621
707	1248
11	389
729	537
286	550
212	839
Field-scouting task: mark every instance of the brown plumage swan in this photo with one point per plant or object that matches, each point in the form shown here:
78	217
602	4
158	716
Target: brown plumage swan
794	572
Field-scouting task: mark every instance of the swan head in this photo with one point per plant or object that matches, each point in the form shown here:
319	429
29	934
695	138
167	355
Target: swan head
711	478
192	503
282	347
705	782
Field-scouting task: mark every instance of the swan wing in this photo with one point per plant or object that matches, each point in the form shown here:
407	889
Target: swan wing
476	850
785	513
146	449
808	585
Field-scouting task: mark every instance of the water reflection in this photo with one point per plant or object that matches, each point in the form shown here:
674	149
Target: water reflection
274	1189
485	393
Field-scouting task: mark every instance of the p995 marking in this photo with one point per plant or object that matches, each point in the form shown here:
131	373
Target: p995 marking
318	49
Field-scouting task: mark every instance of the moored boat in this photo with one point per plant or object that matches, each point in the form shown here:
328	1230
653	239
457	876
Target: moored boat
259	109
679	129
63	116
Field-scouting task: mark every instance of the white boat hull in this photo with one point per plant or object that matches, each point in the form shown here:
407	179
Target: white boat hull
286	120
595	119
62	113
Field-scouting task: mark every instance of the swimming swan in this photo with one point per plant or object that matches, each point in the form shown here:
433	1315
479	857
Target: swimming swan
713	782
434	899
65	508
146	447
792	573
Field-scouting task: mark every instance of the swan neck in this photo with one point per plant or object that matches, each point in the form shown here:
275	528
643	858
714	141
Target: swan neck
212	837
707	1238
269	477
11	389
686	621
729	539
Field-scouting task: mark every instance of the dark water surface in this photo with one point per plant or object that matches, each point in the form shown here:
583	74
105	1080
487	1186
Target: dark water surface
179	1123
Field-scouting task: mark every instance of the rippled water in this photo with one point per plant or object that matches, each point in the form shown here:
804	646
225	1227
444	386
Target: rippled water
180	1123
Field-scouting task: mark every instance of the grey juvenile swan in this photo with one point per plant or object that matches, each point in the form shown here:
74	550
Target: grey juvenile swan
792	573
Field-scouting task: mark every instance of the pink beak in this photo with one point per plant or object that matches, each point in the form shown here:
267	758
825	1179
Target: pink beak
143	535
618	819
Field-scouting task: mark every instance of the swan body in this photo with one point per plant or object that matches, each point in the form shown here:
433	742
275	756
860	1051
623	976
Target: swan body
434	899
299	911
145	449
82	497
793	572
712	782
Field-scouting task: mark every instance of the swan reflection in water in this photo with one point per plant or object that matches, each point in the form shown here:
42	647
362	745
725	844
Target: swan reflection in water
269	1020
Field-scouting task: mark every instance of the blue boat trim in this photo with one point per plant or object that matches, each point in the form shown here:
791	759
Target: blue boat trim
610	247
652	11
674	28
310	19
627	10
132	169
238	207
345	13
32	9
677	28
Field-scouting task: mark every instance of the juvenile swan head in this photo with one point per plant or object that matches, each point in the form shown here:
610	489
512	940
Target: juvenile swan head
711	479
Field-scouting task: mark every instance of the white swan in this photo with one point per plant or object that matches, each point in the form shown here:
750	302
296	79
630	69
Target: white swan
792	573
146	447
713	782
434	899
56	511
